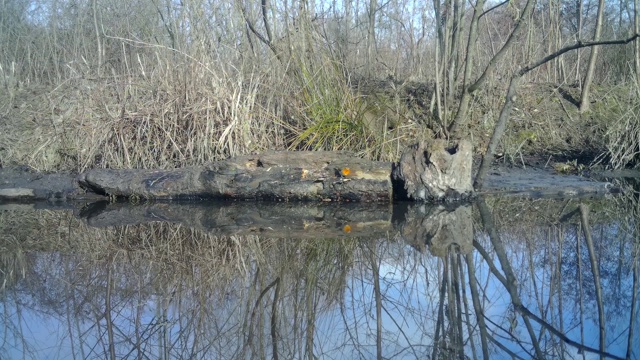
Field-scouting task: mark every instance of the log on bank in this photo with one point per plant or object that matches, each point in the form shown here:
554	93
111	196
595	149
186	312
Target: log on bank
427	171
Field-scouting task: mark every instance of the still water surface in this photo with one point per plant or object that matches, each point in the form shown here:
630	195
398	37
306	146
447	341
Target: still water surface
502	278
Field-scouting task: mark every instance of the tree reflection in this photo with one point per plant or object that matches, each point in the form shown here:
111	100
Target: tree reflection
520	281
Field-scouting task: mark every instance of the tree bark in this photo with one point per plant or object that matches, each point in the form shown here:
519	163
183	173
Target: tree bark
371	37
588	79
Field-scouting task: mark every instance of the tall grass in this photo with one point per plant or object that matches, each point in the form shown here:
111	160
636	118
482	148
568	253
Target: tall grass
332	112
134	84
162	108
166	111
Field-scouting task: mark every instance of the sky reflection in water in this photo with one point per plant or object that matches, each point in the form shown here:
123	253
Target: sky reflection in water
168	290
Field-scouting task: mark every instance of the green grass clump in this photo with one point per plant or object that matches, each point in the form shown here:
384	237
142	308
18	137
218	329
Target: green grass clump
333	113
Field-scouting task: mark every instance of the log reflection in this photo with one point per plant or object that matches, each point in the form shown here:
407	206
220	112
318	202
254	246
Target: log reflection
505	278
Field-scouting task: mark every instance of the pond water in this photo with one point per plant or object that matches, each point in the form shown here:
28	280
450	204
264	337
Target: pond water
504	277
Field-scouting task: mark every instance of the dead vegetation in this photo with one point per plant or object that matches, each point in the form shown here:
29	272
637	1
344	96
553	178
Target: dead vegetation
80	90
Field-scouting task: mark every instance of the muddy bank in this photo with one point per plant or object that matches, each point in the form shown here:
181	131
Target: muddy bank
541	182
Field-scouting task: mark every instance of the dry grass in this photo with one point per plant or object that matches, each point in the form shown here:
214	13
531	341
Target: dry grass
547	126
622	137
157	94
134	84
169	114
169	111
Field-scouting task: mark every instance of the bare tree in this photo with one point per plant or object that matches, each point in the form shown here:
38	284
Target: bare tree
588	79
371	36
584	218
478	10
578	36
636	26
511	98
267	38
463	107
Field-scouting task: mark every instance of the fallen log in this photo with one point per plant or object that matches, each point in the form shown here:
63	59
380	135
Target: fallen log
275	175
429	171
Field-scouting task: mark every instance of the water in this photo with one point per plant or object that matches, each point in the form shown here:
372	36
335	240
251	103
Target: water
503	278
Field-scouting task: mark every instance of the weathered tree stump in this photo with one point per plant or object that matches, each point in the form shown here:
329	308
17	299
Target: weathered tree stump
275	175
438	227
433	171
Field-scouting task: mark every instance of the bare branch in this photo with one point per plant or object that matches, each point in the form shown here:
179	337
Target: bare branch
267	41
493	8
522	309
576	46
263	5
505	113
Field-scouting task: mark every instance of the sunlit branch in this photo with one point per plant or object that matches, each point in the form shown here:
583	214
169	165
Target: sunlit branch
577	45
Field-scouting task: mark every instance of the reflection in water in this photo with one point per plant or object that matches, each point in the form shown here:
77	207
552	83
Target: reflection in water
508	278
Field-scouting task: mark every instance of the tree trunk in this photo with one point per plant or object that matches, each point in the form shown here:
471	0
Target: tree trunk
477	306
463	108
498	130
588	79
636	26
584	219
471	41
579	36
429	171
371	37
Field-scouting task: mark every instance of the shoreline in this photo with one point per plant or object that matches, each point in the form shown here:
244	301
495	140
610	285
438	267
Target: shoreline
25	186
